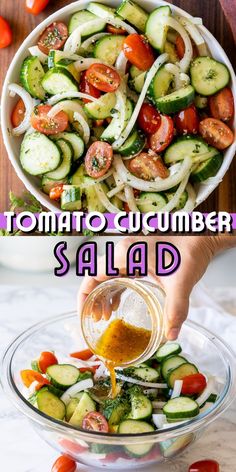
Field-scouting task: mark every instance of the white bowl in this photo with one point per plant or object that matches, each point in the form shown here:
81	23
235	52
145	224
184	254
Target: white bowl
12	143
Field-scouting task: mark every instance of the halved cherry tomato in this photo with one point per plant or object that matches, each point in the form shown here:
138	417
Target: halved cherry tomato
216	133
193	384
29	376
204	466
36	6
187	121
18	113
53	37
98	123
138	51
95	421
83	355
98	159
103	77
149	119
55	192
64	464
42	123
222	105
148	166
89	369
45	360
5	33
86	87
180	47
160	140
114	456
113	30
72	446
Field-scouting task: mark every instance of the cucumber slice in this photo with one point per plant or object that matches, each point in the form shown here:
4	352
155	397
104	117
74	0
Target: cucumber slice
59	80
102	107
182	199
81	17
171	363
38	154
167	350
135	72
102	11
92	202
186	146
71	199
133	13
176	101
180	372
207	169
208	76
85	406
75	140
200	102
156	30
138	82
108	48
181	407
172	447
115	410
159	85
151	201
50	405
31	75
70	408
47	184
136	427
148	374
113	129
133	145
57	58
64	168
141	407
170	49
63	375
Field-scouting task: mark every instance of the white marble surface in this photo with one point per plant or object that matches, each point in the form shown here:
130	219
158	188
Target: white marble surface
26	299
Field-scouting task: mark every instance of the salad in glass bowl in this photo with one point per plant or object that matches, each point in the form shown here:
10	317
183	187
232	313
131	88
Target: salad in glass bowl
121	109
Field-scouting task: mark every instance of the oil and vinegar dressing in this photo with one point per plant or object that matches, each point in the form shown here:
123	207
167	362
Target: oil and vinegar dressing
120	343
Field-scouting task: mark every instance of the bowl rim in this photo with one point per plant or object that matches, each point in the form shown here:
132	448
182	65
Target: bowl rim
78	5
205	418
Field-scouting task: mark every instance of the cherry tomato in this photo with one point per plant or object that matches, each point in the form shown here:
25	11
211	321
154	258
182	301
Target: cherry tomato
55	194
148	166
42	123
46	359
86	87
98	123
204	466
216	133
89	369
98	159
36	6
64	464
180	47
30	376
222	105
149	119
187	121
138	51
54	37
114	456
113	30
192	384
161	139
83	355
18	113
95	421
103	77
5	33
72	446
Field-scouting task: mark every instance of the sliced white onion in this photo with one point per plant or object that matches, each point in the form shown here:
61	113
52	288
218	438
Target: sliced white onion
61	96
150	391
188	55
84	125
196	20
191	202
156	186
177	389
140	382
175	70
120	24
157	64
78	387
175	200
16	89
195	35
87	43
133	95
32	387
67	106
121	63
159	420
129	195
84	63
157	405
73	43
105	201
185	79
115	190
35	51
207	392
121	196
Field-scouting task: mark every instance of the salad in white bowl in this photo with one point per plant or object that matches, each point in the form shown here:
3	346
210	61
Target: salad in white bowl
121	109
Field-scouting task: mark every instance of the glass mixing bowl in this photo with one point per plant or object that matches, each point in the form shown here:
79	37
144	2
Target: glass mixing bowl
209	353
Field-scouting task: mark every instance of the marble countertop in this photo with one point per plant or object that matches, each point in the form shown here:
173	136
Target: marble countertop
22	450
